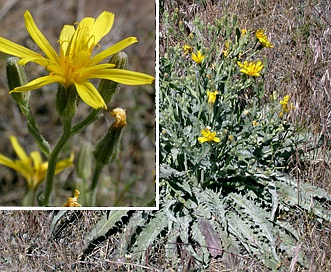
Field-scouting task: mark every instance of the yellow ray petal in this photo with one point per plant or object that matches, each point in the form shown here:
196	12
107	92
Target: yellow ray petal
39	38
18	149
36	158
7	162
38	82
85	72
61	165
112	50
87	22
102	25
89	94
17	50
123	76
65	36
25	169
202	139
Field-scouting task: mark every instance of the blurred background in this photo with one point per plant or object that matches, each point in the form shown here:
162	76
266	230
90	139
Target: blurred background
130	180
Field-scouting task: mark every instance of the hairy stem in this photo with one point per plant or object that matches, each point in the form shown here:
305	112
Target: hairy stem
54	157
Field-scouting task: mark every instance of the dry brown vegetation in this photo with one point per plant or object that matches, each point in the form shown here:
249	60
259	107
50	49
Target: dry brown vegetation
299	65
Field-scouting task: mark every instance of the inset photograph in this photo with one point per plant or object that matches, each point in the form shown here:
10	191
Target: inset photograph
77	88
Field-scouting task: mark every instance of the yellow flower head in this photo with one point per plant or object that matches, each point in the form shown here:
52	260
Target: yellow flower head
228	44
75	64
197	58
187	49
73	201
251	68
31	168
227	48
212	97
255	123
263	39
286	106
208	136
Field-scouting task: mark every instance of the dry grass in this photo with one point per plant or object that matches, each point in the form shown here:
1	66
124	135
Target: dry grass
27	245
130	180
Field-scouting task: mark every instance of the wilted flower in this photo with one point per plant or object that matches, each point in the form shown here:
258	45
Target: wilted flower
73	201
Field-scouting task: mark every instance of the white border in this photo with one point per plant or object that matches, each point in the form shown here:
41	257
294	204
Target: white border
157	92
157	191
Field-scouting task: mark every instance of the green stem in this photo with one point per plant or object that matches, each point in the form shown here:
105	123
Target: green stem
96	176
34	131
54	157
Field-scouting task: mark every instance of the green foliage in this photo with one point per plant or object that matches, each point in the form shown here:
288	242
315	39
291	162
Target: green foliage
105	223
239	183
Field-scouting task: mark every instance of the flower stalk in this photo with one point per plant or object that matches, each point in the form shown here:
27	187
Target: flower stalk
54	158
107	149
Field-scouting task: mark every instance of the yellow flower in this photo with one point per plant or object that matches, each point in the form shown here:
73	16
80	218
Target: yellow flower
187	48
263	39
227	48
75	64
255	123
73	201
251	68
208	136
243	31
198	58
212	97
31	168
286	106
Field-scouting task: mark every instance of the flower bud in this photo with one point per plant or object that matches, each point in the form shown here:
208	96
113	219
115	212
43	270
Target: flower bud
66	101
106	150
16	78
108	88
